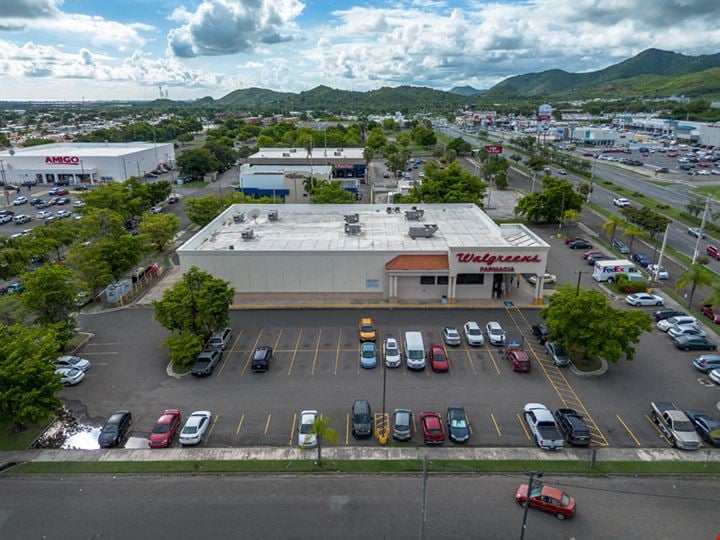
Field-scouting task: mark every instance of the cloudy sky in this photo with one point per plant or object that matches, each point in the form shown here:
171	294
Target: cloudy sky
128	49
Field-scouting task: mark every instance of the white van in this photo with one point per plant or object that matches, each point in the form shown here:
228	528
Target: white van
609	270
414	350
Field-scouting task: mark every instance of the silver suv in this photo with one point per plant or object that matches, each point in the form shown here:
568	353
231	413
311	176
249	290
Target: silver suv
219	340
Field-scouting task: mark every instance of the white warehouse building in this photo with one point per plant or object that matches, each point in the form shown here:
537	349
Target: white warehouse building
429	253
91	163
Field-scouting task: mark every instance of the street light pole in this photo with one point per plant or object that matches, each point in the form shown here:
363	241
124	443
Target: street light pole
702	231
577	289
527	499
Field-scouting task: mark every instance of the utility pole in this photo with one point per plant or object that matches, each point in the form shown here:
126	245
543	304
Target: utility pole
577	289
702	230
662	252
527	499
592	177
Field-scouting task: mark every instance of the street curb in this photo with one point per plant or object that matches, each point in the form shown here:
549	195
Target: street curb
603	368
88	337
170	373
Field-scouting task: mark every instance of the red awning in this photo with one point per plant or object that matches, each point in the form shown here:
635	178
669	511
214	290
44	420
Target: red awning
418	262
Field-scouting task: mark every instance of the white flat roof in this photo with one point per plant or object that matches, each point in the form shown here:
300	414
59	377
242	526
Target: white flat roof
312	227
247	168
302	153
83	149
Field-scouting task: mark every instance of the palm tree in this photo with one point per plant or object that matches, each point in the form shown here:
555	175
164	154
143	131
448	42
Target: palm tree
693	276
323	432
610	227
631	233
309	184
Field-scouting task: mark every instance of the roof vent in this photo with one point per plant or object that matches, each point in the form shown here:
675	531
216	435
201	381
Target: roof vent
352	218
397	209
248	234
353	228
239	217
231	247
337	153
389	209
293	150
426	231
414	214
273	215
286	154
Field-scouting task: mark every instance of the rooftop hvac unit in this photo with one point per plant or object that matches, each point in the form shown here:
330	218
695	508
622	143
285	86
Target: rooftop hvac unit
389	210
426	231
353	228
239	217
397	209
337	153
352	218
286	154
414	215
273	215
293	150
248	234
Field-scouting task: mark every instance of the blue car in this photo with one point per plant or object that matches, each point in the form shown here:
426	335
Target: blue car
642	259
368	355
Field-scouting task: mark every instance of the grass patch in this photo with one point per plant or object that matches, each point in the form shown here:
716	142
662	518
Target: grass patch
195	184
586	364
366	467
10	440
713	191
180	370
661	183
75	342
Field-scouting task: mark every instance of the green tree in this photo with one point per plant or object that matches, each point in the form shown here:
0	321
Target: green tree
610	227
631	233
330	193
452	184
549	204
197	162
28	383
323	433
450	155
460	145
423	135
376	140
695	206
202	210
389	124
159	228
198	304
50	294
588	326
696	275
646	218
184	347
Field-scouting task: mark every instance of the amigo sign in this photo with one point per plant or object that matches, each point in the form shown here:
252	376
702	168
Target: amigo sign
490	259
62	160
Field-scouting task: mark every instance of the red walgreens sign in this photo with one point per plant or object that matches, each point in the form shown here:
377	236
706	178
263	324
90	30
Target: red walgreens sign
62	160
493	148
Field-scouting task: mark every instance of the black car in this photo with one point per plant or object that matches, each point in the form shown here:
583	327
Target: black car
7	213
662	314
580	244
573	427
620	246
205	363
41	205
28	183
540	331
35	201
707	427
694	343
458	429
64	200
261	359
592	259
115	429
361	418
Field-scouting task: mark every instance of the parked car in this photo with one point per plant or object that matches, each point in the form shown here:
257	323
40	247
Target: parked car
694	343
115	429
548	279
261	358
21	219
43	214
644	299
458	428
391	353
695	231
368	355
542	426
495	333
70	376
306	437
219	340
63	201
206	362
546	498
665	324
540	331
662	273
712	313
72	362
591	252
595	257
517	357
707	362
451	336
22	199
432	428
714	376
402	424
573	427
689	330
361	419
706	426
571	239
562	172
642	259
61	214
165	428
438	359
580	244
621	202
195	428
366	329
5	218
557	354
473	334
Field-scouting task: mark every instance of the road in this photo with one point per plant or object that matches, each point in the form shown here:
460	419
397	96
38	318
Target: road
348	507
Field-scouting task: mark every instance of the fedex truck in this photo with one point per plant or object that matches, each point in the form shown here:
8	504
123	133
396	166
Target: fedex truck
610	270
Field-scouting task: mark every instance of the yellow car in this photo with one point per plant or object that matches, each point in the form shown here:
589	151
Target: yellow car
367	329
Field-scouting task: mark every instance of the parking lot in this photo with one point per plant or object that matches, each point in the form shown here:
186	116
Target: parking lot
316	366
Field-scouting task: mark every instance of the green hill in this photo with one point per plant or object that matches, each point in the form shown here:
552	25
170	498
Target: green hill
466	91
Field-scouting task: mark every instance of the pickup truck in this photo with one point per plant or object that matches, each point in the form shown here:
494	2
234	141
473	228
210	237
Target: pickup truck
675	425
543	427
205	362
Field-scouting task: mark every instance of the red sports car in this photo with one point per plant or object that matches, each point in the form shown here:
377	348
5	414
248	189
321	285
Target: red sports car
164	431
432	428
548	499
438	358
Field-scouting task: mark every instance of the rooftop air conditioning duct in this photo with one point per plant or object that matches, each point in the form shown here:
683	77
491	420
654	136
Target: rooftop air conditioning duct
425	231
248	234
273	215
353	228
239	217
352	218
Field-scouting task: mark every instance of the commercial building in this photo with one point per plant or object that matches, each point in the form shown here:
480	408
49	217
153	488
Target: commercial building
76	163
595	136
346	162
429	253
286	181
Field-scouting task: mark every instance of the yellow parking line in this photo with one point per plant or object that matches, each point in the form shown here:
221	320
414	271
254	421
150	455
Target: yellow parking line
242	419
492	357
297	344
469	357
215	420
347	429
292	430
497	428
277	340
662	435
267	424
634	438
228	353
250	354
414	425
522	425
337	353
317	348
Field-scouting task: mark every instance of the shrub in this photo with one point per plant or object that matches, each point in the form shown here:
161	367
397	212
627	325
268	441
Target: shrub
630	287
637	194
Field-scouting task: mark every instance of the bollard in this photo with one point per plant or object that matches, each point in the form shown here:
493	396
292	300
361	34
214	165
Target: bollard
591	459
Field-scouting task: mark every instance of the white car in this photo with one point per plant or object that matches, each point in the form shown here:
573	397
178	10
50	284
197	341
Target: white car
5	218
21	218
391	353
715	376
562	172
695	231
621	202
70	376
20	200
473	334
686	330
662	273
306	439
683	320
156	209
495	333
63	214
548	279
42	214
78	204
644	299
451	336
72	362
195	427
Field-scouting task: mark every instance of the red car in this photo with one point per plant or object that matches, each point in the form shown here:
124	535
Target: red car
548	499
713	251
591	252
713	313
432	428
62	191
570	239
54	200
438	358
164	431
673	154
519	360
